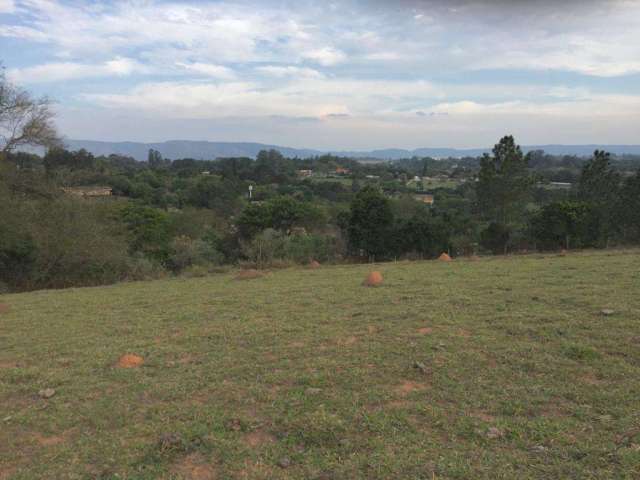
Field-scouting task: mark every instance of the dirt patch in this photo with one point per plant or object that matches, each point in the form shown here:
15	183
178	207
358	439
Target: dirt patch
130	360
49	441
297	344
373	329
4	308
374	279
258	438
249	275
464	333
195	467
444	257
9	365
485	417
425	330
591	379
348	341
408	387
256	471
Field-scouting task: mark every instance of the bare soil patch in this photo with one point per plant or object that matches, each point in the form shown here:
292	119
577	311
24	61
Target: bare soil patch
425	330
195	467
258	438
408	387
249	274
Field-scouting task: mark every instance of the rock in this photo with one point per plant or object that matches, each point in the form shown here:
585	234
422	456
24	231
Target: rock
284	462
420	366
312	391
494	432
607	312
374	279
539	449
47	393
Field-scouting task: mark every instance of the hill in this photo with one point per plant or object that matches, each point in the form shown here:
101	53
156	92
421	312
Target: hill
306	374
203	150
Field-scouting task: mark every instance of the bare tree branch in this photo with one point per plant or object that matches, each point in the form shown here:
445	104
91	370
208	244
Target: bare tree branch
24	120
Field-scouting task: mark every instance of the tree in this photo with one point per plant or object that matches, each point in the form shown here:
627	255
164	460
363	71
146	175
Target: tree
628	209
24	120
562	224
599	187
504	184
370	222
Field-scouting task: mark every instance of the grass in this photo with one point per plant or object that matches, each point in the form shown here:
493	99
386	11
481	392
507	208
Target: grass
523	376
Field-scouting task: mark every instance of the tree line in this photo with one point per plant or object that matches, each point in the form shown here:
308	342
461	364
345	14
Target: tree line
193	216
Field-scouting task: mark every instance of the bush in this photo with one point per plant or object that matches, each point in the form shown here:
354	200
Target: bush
186	252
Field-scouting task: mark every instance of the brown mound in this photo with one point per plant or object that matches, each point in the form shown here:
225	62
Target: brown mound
374	279
444	257
249	275
130	361
4	308
314	265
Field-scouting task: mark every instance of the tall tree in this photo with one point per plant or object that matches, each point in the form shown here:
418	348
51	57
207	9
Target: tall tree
370	222
599	187
24	120
504	184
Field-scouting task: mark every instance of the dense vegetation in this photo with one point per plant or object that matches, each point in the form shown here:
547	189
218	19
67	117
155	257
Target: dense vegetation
188	215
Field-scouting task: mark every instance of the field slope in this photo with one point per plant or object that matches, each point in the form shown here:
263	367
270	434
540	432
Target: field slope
306	374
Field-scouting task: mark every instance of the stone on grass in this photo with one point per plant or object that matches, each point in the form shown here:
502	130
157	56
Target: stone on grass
374	279
284	462
607	312
494	432
313	391
420	366
47	393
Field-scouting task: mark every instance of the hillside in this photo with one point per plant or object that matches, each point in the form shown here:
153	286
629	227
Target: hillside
203	150
306	374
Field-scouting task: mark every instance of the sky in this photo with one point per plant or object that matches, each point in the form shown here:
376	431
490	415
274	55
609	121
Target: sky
353	74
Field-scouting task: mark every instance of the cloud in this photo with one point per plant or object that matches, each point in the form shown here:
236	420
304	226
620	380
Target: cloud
210	70
7	6
326	56
288	71
59	71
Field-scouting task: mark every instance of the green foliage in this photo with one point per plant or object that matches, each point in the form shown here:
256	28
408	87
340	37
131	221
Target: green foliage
599	187
562	224
496	238
149	230
504	183
370	223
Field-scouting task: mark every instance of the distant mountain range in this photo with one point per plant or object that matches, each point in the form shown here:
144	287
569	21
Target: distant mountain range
203	150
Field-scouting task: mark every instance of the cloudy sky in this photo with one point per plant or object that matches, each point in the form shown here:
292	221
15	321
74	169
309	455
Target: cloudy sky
344	75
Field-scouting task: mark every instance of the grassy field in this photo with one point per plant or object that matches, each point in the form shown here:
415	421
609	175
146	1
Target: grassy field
306	374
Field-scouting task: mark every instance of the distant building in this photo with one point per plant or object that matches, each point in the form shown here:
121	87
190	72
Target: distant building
88	191
342	171
305	173
425	198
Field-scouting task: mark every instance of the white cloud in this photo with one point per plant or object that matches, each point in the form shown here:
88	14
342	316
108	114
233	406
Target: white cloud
326	56
7	6
59	71
289	71
210	70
